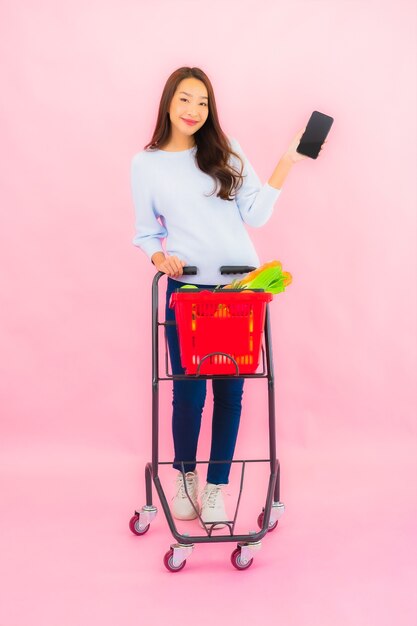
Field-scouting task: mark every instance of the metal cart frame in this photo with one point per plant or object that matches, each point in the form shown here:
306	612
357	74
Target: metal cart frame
242	556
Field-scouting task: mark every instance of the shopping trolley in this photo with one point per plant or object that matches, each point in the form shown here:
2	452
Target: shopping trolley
221	333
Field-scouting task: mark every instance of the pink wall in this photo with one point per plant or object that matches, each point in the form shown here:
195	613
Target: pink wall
80	85
80	91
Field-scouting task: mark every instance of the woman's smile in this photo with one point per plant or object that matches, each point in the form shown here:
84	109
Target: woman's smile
189	122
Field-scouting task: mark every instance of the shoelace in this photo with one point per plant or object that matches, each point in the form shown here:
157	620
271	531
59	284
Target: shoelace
181	488
211	496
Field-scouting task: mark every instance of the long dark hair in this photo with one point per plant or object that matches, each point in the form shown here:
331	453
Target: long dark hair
213	147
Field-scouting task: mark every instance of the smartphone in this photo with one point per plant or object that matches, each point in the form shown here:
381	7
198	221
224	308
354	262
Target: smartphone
314	135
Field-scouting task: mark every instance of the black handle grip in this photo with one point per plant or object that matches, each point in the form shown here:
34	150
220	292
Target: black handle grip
236	269
189	270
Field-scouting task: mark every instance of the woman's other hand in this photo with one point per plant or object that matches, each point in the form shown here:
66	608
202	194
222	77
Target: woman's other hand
170	265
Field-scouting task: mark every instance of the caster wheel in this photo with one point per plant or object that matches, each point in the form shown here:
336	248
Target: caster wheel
261	523
169	562
237	562
134	526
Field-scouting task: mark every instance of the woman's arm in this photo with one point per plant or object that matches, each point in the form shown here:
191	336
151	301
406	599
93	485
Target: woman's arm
256	201
281	171
286	162
149	230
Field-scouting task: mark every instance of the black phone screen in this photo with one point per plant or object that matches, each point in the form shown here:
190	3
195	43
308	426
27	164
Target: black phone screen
314	135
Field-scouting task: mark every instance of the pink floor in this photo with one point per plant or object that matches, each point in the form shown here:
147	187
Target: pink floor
344	552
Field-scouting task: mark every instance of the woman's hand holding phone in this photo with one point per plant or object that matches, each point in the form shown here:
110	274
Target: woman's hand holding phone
291	152
314	136
290	156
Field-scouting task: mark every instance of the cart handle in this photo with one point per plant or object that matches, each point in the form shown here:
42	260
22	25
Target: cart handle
236	269
191	270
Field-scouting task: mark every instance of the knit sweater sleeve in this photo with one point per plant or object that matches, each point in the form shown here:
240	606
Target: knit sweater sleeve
254	200
149	230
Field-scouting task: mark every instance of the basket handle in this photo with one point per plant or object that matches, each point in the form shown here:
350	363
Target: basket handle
236	269
229	356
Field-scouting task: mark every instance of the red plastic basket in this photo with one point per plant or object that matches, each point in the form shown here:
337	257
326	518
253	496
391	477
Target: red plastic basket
226	322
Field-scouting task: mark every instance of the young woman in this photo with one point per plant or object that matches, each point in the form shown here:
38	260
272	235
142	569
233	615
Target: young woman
194	188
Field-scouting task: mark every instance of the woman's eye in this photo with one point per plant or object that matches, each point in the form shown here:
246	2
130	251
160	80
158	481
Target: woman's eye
186	100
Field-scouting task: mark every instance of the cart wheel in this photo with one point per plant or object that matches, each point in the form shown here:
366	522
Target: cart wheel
134	526
169	562
237	562
272	526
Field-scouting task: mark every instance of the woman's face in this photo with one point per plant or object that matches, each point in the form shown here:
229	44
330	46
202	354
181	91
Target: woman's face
189	107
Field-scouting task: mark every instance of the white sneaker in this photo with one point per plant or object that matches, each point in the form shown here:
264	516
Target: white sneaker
182	507
212	505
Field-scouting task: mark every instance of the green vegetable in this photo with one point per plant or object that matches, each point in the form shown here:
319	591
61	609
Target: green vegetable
269	277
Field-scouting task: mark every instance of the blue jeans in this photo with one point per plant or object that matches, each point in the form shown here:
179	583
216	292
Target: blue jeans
188	403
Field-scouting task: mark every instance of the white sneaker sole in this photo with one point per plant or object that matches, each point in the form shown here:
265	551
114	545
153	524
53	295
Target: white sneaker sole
192	515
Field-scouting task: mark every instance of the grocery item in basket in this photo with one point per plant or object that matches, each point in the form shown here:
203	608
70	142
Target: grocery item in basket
270	277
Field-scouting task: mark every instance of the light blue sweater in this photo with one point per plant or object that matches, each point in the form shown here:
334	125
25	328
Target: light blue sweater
170	195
